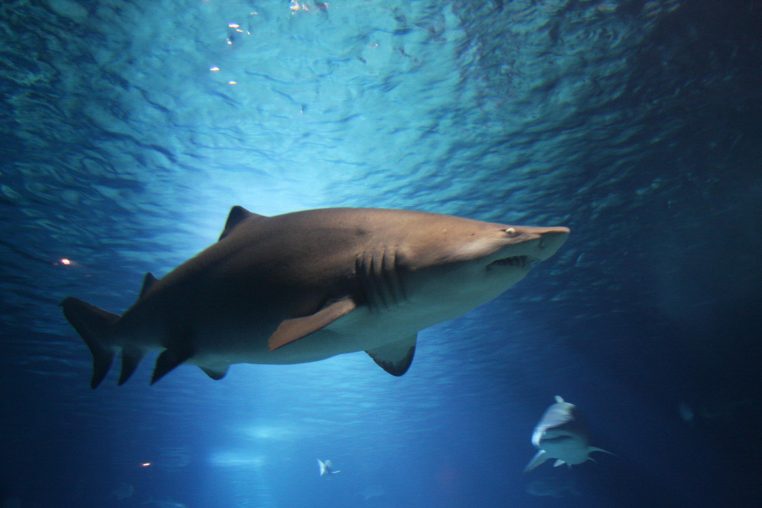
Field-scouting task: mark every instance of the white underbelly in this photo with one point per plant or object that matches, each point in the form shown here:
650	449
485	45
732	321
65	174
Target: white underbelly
361	330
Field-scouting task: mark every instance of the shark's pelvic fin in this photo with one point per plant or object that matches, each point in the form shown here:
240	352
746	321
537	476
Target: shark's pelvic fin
215	374
591	449
94	325
237	215
168	360
558	462
292	330
131	357
395	358
538	459
148	281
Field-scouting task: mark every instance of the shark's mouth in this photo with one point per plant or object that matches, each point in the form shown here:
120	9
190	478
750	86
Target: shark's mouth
514	261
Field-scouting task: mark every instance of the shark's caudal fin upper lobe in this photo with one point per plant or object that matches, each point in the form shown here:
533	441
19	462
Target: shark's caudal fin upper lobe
94	325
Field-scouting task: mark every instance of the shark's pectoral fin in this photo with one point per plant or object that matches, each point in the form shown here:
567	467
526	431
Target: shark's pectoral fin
237	215
292	330
591	449
538	459
215	374
131	357
168	360
395	358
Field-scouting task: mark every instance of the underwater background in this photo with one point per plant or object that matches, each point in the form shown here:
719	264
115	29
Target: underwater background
129	129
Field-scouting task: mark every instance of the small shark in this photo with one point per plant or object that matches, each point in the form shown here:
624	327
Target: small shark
326	467
561	435
305	286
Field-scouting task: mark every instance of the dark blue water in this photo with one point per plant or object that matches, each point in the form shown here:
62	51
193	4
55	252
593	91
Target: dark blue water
636	123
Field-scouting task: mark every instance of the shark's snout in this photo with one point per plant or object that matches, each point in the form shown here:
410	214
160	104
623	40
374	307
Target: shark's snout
551	239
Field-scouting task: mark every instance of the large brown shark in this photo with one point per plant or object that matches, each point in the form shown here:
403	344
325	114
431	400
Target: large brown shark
309	285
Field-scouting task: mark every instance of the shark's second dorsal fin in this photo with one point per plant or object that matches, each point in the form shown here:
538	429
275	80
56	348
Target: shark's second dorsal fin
237	215
395	358
148	281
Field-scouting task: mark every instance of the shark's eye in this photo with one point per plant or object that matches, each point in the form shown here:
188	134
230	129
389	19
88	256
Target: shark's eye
510	231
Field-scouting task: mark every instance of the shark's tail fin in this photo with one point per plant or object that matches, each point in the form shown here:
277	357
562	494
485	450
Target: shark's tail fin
94	325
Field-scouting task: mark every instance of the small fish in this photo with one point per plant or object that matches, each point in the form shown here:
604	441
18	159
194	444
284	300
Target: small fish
561	435
326	467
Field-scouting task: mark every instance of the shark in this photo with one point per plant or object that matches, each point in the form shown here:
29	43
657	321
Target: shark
326	467
562	435
309	285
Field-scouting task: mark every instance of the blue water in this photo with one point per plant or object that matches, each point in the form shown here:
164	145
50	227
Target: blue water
636	123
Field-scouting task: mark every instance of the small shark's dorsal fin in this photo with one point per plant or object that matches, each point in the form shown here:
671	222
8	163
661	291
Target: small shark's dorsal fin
215	374
237	215
395	358
292	330
559	400
148	281
538	459
131	357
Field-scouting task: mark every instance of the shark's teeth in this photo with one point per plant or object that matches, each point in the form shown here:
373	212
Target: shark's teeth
515	261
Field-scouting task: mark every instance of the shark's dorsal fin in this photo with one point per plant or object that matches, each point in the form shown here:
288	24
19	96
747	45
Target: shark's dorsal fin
148	281
395	358
215	374
559	400
237	215
292	330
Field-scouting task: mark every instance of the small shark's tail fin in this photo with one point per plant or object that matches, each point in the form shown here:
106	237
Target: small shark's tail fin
94	325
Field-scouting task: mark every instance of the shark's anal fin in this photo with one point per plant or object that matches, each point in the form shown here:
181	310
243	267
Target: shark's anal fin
215	374
148	281
395	358
131	357
237	215
168	360
292	330
538	459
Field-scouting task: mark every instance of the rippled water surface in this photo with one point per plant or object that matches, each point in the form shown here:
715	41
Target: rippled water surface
129	129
